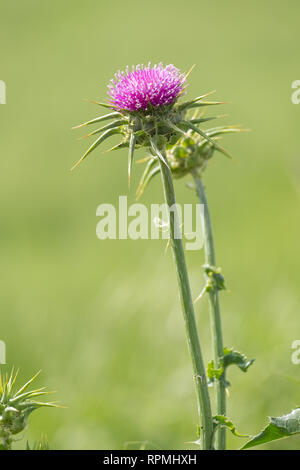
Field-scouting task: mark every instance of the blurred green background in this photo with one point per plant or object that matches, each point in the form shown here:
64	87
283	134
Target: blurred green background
102	318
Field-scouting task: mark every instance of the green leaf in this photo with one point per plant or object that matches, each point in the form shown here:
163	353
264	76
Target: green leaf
42	444
224	130
230	357
187	104
223	421
278	428
99	119
142	186
200	120
97	142
235	357
112	125
121	145
151	163
104	105
213	373
205	136
158	153
175	128
205	103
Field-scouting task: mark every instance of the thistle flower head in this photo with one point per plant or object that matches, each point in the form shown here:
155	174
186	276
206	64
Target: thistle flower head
144	86
145	112
16	406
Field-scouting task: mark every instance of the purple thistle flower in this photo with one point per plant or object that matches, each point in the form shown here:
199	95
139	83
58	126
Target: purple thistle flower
152	90
158	86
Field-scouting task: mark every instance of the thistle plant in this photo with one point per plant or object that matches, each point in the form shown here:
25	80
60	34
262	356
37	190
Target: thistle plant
145	111
144	104
16	405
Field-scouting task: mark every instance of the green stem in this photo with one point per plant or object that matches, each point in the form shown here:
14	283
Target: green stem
5	440
204	407
216	325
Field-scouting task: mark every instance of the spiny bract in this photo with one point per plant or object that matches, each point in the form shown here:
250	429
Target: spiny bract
16	406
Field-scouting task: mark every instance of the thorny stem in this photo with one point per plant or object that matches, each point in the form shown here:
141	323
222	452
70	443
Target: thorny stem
216	325
204	407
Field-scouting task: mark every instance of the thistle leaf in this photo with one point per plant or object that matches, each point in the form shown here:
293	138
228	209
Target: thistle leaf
175	128
98	119
229	358
205	103
148	168
33	393
100	139
224	130
205	136
278	428
223	421
214	373
200	120
235	357
147	180
187	104
158	153
42	444
121	145
112	125
104	105
28	383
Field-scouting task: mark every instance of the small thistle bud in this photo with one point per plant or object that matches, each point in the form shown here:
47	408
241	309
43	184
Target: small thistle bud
15	408
193	152
189	154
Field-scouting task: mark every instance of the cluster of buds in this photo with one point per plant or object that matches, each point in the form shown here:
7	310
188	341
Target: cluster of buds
192	152
144	110
16	407
189	154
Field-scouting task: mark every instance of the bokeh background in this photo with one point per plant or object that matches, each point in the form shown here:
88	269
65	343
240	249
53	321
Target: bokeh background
102	318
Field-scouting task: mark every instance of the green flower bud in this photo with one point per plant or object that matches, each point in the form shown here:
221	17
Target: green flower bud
15	408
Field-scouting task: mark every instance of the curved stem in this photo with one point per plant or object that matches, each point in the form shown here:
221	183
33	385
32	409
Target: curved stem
204	407
216	325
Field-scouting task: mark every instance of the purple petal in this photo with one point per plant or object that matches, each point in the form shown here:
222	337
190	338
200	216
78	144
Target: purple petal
157	85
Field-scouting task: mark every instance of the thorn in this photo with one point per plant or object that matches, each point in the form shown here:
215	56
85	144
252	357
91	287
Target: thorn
201	294
143	160
190	71
167	245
